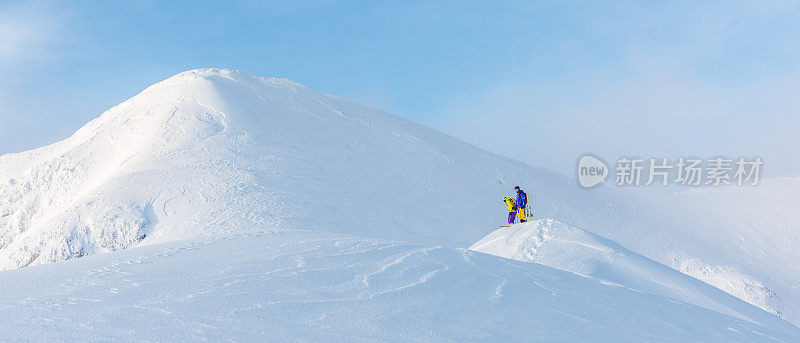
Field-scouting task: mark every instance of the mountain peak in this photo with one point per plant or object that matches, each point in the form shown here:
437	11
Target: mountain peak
217	150
194	105
226	73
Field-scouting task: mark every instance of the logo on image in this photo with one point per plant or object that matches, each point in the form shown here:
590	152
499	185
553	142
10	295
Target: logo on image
591	171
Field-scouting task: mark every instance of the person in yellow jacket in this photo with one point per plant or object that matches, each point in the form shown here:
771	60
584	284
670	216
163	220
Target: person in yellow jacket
512	209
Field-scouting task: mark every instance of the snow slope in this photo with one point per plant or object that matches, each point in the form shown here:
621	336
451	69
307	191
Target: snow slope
745	241
561	246
218	153
313	286
210	151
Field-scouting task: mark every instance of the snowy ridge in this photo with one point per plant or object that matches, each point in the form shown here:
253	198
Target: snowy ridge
732	281
561	246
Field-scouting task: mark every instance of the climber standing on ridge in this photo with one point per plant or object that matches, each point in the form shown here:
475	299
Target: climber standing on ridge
522	202
512	209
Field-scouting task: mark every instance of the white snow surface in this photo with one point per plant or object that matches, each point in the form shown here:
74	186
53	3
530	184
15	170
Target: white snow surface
745	241
561	246
211	151
315	286
223	158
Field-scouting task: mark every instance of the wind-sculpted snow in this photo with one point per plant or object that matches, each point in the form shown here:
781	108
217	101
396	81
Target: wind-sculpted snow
312	286
557	245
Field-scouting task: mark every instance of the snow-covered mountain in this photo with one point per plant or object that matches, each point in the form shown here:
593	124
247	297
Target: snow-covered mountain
212	159
210	151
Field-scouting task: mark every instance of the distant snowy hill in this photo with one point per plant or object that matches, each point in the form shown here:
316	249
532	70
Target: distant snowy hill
213	155
745	241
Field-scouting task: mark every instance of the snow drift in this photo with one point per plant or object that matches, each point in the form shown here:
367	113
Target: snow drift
561	246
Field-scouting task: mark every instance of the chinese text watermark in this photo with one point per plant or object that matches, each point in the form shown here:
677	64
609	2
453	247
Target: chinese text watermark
716	171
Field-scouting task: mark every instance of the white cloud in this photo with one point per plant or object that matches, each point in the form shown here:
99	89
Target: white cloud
28	31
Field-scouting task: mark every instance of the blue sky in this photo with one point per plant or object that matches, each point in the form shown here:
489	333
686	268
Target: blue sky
542	82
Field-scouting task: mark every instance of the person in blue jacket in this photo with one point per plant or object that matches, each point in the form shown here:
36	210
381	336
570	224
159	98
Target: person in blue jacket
522	202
